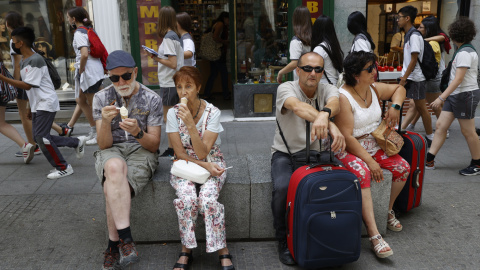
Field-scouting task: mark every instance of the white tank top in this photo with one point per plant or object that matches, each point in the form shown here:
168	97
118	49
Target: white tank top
365	120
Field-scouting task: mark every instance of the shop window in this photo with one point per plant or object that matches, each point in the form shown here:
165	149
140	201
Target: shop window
262	39
53	34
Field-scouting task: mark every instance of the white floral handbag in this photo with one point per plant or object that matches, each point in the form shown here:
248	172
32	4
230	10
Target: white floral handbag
190	170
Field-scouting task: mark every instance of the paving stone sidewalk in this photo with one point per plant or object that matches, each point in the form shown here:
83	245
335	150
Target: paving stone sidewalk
60	224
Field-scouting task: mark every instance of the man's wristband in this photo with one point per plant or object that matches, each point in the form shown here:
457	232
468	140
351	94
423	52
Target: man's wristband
325	109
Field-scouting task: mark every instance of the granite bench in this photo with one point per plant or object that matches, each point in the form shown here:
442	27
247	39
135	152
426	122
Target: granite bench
246	197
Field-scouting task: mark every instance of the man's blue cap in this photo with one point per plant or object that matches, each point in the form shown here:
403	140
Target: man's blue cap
120	59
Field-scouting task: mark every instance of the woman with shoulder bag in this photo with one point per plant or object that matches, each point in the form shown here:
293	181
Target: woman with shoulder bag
461	97
220	35
325	43
359	116
193	127
27	149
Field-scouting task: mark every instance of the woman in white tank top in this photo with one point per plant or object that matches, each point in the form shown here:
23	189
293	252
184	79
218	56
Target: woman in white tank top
359	116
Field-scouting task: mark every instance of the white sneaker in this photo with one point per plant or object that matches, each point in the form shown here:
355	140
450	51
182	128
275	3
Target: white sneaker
55	174
28	151
92	134
93	141
448	133
80	149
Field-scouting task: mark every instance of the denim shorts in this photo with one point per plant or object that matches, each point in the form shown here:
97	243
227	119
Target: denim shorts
462	105
416	90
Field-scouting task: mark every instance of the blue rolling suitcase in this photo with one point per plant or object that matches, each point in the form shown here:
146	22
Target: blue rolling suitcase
324	214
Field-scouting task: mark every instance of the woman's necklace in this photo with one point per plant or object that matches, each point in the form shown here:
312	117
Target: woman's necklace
364	99
199	105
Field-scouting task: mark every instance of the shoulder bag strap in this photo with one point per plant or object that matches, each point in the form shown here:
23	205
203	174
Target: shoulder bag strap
283	137
204	125
378	97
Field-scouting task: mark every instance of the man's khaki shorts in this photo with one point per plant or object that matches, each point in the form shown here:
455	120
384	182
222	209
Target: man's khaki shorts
141	163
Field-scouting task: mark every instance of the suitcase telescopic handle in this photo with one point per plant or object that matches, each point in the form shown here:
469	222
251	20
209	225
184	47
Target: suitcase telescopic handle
307	135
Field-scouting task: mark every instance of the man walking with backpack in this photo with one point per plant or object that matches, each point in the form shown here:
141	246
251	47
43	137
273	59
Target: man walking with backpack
43	103
412	76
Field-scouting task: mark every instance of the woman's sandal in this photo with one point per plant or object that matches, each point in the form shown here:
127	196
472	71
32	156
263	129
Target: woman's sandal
226	256
184	266
393	222
381	245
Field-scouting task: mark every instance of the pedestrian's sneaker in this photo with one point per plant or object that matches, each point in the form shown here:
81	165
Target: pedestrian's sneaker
92	134
28	152
430	165
448	133
470	170
169	153
410	127
66	130
92	141
37	150
128	252
110	261
55	174
80	149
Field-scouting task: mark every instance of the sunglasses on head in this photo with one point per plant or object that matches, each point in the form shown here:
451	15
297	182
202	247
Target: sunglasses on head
370	68
309	69
125	76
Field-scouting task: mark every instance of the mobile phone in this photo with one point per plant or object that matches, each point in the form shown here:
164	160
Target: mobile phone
152	51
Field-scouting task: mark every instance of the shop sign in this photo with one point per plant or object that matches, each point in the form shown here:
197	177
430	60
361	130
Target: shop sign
315	7
147	13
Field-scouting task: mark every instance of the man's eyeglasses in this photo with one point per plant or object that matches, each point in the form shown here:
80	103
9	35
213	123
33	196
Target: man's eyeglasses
370	68
309	69
126	76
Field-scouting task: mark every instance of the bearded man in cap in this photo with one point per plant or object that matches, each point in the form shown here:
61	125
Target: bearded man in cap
128	154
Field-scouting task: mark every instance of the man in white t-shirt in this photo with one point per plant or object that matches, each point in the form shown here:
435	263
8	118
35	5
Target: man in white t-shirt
297	101
43	103
412	77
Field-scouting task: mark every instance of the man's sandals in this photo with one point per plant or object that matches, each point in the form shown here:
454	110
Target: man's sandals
187	265
381	245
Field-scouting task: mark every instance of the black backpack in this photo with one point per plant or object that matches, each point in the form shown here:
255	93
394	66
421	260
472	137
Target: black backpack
428	64
52	71
446	72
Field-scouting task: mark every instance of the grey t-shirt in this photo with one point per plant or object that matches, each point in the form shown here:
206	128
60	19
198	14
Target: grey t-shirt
145	106
293	126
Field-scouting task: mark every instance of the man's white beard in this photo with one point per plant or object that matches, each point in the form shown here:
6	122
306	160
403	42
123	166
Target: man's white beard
125	90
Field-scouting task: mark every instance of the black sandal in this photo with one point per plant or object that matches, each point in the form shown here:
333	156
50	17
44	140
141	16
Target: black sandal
184	266
226	256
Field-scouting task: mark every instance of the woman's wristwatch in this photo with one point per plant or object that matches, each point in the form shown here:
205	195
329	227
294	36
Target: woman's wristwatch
396	107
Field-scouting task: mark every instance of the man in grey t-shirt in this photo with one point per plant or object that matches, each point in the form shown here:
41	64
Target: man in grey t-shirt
297	101
128	154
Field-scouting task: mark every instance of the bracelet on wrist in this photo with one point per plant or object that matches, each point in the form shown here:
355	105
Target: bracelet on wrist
441	98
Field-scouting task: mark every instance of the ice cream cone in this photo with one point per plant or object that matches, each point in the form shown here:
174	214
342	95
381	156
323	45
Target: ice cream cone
184	100
124	112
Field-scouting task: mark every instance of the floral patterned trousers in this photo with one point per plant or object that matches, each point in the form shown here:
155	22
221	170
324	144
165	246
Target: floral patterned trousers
395	164
188	205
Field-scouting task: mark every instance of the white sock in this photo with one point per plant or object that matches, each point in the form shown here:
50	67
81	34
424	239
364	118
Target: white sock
93	129
430	136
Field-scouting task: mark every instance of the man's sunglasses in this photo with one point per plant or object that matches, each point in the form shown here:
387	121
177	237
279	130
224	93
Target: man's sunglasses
370	68
309	69
126	76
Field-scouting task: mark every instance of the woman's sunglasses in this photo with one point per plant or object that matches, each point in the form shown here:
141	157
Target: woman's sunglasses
126	76
309	69
370	68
